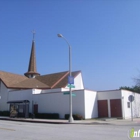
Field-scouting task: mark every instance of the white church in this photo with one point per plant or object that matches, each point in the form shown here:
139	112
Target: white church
48	93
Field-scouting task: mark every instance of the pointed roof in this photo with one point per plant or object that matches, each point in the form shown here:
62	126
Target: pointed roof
30	83
49	81
52	79
64	81
56	80
10	78
32	62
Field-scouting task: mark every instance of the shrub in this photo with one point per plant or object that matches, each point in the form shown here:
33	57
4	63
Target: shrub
78	117
47	115
4	113
75	117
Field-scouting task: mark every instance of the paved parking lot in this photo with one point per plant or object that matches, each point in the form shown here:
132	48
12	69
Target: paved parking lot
10	130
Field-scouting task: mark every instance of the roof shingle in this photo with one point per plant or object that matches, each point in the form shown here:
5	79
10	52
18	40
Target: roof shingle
10	78
55	80
52	79
63	83
32	62
31	83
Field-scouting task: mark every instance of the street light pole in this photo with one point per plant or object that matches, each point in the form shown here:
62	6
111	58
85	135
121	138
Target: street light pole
70	95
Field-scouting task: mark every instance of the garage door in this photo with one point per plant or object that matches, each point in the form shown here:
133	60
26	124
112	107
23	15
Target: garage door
102	108
116	108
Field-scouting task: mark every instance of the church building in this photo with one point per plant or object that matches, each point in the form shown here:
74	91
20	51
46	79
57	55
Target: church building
36	93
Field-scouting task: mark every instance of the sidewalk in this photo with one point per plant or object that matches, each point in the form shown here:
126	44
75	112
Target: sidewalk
86	122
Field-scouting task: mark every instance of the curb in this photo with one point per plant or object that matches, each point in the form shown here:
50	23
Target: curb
33	121
53	122
61	122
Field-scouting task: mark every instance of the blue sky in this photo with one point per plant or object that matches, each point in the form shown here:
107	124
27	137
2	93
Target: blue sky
104	35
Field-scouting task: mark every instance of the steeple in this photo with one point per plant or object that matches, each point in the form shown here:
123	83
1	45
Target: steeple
32	63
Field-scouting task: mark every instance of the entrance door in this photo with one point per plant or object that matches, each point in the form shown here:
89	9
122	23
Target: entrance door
35	108
102	108
116	108
21	110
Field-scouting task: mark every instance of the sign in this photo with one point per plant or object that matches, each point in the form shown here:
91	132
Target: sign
72	86
131	98
70	80
67	93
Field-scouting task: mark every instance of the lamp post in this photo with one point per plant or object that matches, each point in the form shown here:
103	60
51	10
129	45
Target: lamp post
70	95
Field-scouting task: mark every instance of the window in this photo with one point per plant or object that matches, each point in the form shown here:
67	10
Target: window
128	104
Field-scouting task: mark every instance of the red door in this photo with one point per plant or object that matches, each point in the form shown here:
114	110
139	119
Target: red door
102	108
35	108
116	108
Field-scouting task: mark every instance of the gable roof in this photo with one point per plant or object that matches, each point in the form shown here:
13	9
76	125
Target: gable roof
63	83
52	79
9	78
30	83
55	80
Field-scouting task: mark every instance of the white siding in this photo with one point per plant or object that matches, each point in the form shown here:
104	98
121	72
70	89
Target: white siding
135	104
22	95
52	103
110	94
59	103
50	90
4	94
84	103
91	110
78	82
78	103
55	102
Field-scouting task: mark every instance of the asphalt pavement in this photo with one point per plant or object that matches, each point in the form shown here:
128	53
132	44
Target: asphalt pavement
107	121
83	130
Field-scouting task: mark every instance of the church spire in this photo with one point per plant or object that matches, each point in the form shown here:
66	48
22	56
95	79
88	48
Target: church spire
32	63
